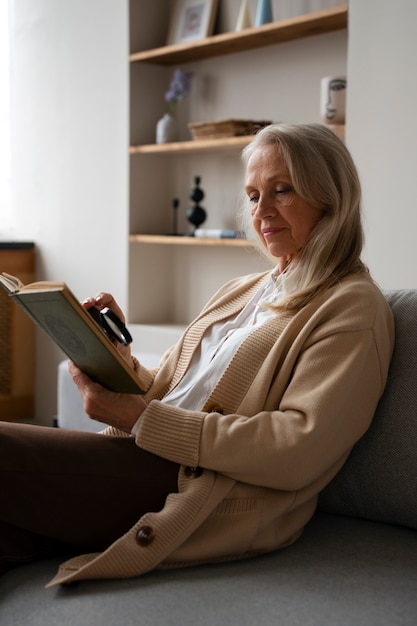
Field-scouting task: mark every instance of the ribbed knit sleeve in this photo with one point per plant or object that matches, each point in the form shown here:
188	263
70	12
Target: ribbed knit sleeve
171	433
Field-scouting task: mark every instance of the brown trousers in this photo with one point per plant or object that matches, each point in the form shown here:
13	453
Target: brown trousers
65	492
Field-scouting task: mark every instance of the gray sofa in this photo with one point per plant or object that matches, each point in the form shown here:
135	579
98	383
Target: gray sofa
356	562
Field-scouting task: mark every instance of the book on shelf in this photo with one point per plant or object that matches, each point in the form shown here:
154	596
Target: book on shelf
54	308
217	233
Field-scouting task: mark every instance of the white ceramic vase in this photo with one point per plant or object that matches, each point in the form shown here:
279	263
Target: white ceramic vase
243	20
166	129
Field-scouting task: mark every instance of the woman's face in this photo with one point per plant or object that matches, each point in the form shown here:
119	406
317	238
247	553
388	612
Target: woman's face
282	219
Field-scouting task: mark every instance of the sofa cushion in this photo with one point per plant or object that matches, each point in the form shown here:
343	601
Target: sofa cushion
379	480
341	572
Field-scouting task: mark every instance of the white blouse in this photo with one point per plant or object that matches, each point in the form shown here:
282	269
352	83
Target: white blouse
218	345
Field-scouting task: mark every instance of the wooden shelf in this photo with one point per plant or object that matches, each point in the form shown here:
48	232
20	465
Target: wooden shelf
227	43
168	240
193	147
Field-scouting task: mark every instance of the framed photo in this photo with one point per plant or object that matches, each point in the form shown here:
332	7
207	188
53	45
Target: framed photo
191	20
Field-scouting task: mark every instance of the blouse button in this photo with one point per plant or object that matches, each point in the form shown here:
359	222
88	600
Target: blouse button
145	536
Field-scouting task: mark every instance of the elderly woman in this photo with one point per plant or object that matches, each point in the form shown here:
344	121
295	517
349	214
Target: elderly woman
248	416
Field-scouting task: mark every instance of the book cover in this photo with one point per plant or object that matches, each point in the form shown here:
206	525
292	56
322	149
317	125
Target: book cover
54	309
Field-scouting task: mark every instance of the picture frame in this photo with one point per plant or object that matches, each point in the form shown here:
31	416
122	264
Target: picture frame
191	20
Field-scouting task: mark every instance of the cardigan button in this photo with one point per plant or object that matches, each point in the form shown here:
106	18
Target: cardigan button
145	536
193	472
215	408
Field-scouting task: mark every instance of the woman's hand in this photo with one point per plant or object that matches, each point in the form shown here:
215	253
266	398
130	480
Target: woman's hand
101	301
120	410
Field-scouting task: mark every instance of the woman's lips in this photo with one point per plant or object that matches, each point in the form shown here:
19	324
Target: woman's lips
270	232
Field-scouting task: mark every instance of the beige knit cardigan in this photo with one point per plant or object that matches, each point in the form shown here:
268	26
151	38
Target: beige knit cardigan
296	396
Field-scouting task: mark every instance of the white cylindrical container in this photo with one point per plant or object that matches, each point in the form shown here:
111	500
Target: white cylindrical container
333	99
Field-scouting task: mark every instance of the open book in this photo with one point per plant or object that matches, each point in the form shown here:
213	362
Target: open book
54	308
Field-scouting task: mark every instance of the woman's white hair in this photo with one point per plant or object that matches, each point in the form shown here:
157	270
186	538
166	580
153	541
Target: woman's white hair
324	175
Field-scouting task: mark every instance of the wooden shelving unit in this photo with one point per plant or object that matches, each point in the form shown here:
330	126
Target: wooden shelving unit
177	274
249	39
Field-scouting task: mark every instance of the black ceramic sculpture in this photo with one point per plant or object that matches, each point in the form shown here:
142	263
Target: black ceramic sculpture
196	214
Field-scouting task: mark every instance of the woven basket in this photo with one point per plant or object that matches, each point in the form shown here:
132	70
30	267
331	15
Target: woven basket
225	128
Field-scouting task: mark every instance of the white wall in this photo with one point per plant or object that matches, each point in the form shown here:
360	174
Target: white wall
69	151
382	132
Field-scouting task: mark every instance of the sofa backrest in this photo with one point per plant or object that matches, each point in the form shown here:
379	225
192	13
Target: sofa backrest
379	479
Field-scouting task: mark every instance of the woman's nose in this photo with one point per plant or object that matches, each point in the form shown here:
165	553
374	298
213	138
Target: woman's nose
265	207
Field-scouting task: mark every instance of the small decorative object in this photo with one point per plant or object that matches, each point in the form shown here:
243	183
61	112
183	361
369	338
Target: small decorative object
166	128
175	204
263	12
191	20
243	20
196	215
178	89
333	99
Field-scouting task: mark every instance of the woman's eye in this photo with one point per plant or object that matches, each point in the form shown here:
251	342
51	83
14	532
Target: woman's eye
279	192
282	190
